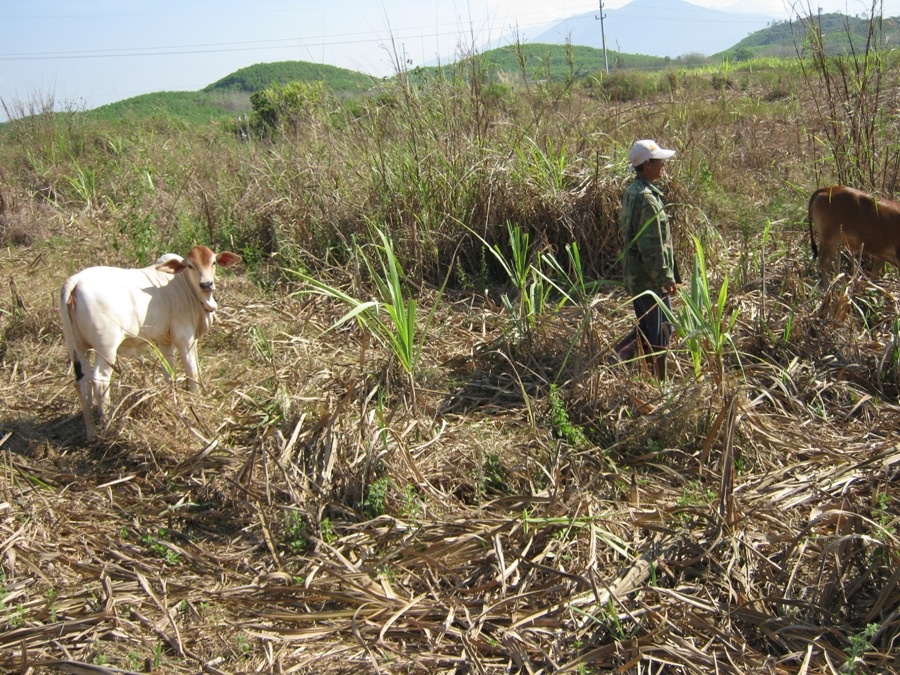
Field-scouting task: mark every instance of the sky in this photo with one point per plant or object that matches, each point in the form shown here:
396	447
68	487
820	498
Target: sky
80	54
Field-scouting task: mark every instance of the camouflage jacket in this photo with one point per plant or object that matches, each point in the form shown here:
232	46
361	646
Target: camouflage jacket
649	256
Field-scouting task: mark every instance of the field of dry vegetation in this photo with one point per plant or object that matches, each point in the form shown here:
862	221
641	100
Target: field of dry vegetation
453	480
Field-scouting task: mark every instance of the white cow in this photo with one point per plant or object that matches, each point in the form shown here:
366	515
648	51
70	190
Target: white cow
115	312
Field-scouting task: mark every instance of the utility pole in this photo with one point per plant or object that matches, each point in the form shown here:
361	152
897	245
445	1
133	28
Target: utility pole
821	36
602	16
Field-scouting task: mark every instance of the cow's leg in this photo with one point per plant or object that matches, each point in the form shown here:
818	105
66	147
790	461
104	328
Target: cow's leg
81	365
828	257
100	379
191	365
876	268
168	352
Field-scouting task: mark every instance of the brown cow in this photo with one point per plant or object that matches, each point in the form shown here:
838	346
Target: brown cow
855	218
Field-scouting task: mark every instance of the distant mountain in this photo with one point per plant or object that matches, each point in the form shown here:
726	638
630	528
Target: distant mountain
657	28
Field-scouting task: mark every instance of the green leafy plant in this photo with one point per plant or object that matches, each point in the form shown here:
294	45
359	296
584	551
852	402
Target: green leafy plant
326	531
156	546
859	644
134	660
695	494
570	282
157	655
412	502
703	321
294	531
493	475
387	572
17	619
243	645
532	289
559	418
398	332
51	594
375	502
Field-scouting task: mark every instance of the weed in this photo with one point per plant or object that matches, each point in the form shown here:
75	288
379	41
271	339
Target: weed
18	619
51	594
859	644
157	548
243	645
412	503
884	515
559	418
608	618
374	504
157	655
695	494
388	573
493	475
295	532
326	531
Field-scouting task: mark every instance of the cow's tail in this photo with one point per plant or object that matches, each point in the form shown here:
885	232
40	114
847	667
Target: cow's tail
809	220
67	300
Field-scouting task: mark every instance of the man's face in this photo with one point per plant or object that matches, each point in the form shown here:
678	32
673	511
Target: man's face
654	169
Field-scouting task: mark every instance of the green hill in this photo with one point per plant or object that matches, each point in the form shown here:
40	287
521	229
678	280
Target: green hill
785	37
230	96
549	61
257	77
189	106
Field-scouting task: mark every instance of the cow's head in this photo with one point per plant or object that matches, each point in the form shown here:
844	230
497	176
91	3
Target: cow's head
200	267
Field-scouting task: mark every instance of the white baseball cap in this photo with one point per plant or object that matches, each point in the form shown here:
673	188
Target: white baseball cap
641	151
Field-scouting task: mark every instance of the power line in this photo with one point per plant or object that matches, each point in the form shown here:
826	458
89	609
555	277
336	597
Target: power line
211	48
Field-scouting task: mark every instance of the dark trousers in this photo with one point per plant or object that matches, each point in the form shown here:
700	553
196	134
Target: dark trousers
653	327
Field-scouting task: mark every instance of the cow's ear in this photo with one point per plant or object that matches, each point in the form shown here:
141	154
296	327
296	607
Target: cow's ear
227	259
172	267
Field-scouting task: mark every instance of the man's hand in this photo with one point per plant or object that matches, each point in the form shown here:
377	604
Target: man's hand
670	287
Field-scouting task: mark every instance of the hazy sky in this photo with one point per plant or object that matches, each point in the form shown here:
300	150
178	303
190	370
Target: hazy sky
82	54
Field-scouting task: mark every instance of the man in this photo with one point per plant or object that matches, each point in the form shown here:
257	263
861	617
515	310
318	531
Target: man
649	255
